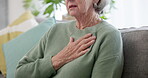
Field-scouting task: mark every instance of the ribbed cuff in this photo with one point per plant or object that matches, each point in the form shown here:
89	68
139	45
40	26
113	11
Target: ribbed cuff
46	67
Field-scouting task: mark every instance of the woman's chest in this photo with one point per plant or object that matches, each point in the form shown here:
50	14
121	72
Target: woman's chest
78	68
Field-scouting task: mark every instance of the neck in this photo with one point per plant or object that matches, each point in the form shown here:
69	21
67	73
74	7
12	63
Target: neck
87	20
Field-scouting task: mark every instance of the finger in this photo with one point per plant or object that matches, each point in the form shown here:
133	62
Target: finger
83	37
84	46
85	41
83	52
71	39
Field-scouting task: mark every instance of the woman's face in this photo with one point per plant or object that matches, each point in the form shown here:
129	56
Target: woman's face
78	7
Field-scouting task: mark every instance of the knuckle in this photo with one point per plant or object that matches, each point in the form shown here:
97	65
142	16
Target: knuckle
90	39
85	40
79	39
83	46
75	42
78	46
79	54
82	53
75	56
89	43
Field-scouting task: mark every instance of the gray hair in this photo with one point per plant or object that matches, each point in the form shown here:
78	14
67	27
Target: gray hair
100	6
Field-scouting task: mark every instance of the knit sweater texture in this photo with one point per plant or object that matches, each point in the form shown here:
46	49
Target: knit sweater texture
103	60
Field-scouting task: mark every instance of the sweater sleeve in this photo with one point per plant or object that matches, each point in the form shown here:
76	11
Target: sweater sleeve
109	61
34	64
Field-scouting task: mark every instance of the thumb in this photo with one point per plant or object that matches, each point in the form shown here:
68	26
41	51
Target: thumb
71	39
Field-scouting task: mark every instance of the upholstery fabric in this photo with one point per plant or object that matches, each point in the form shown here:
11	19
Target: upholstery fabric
135	47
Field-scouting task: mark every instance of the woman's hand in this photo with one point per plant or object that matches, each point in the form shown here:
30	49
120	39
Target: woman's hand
73	50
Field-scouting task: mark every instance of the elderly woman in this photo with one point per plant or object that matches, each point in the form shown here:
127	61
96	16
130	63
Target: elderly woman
86	48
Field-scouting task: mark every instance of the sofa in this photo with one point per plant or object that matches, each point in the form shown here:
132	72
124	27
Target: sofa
135	48
1	76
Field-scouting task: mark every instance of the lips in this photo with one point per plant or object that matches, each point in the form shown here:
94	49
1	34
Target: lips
72	6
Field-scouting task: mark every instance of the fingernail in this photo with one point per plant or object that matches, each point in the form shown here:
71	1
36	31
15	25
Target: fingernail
89	34
93	41
88	49
94	36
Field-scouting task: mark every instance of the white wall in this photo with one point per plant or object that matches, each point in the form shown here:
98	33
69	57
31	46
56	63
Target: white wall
3	14
15	9
130	13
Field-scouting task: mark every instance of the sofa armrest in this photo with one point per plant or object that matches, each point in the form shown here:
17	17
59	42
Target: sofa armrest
1	76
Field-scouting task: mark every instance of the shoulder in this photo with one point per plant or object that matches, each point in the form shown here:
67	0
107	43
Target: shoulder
108	30
110	39
64	27
65	24
60	27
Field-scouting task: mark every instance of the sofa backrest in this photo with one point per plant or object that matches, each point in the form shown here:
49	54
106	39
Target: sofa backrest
135	48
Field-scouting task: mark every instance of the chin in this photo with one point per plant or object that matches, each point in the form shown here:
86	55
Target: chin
73	13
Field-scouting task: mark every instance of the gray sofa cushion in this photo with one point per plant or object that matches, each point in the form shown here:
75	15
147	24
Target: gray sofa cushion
135	48
1	76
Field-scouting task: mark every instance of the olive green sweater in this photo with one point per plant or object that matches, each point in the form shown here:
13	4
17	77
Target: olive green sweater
103	60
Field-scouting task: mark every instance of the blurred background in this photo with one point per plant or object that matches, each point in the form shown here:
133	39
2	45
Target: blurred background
123	14
21	29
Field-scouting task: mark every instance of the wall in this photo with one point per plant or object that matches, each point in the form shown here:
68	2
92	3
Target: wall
15	9
3	13
9	11
130	13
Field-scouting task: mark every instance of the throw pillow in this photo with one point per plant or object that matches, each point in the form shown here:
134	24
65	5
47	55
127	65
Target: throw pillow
20	25
18	47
